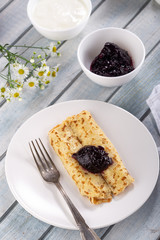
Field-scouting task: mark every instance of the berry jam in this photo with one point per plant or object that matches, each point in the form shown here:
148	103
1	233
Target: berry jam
112	61
94	159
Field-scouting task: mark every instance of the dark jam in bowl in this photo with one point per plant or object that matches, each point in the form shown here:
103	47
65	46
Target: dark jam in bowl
94	159
112	61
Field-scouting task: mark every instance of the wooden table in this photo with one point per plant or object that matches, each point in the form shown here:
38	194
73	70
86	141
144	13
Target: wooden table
143	18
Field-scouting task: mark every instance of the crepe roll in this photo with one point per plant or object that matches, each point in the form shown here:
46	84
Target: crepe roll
65	142
87	130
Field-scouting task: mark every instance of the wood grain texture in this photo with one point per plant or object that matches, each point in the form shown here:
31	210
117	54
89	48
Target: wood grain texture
13	20
133	95
148	76
108	13
146	25
32	37
143	224
21	225
72	84
6	198
58	233
4	4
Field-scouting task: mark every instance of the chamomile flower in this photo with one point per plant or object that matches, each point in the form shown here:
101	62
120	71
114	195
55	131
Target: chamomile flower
32	73
41	72
3	91
19	83
14	94
48	71
21	71
44	81
32	82
55	70
43	63
53	49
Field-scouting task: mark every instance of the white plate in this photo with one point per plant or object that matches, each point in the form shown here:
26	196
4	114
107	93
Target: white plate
132	140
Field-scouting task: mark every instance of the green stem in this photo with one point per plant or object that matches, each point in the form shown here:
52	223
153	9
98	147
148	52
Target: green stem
23	58
47	48
9	72
4	50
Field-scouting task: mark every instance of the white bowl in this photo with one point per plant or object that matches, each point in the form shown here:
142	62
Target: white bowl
92	45
58	34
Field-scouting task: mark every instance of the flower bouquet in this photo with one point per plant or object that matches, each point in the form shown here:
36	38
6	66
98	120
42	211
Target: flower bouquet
23	72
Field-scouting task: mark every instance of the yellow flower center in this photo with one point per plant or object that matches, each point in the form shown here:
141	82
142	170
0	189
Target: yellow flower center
53	74
49	73
21	71
31	84
41	73
54	49
3	89
44	65
15	95
47	82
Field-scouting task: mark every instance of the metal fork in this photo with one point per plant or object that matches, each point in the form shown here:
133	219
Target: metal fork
50	173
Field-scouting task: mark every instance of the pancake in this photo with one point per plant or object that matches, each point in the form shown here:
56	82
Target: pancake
88	131
81	130
65	143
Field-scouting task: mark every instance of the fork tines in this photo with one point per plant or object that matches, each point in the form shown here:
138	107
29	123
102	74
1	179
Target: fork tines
40	155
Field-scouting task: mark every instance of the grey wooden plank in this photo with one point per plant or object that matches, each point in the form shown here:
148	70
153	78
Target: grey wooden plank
116	14
132	96
146	25
13	21
26	218
21	225
86	89
32	37
11	235
145	223
145	80
15	26
4	4
6	198
58	233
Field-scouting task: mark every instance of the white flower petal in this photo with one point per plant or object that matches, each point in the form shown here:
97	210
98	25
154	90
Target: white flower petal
32	82
20	71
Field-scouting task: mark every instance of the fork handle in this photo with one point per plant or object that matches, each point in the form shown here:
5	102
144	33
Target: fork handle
85	232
